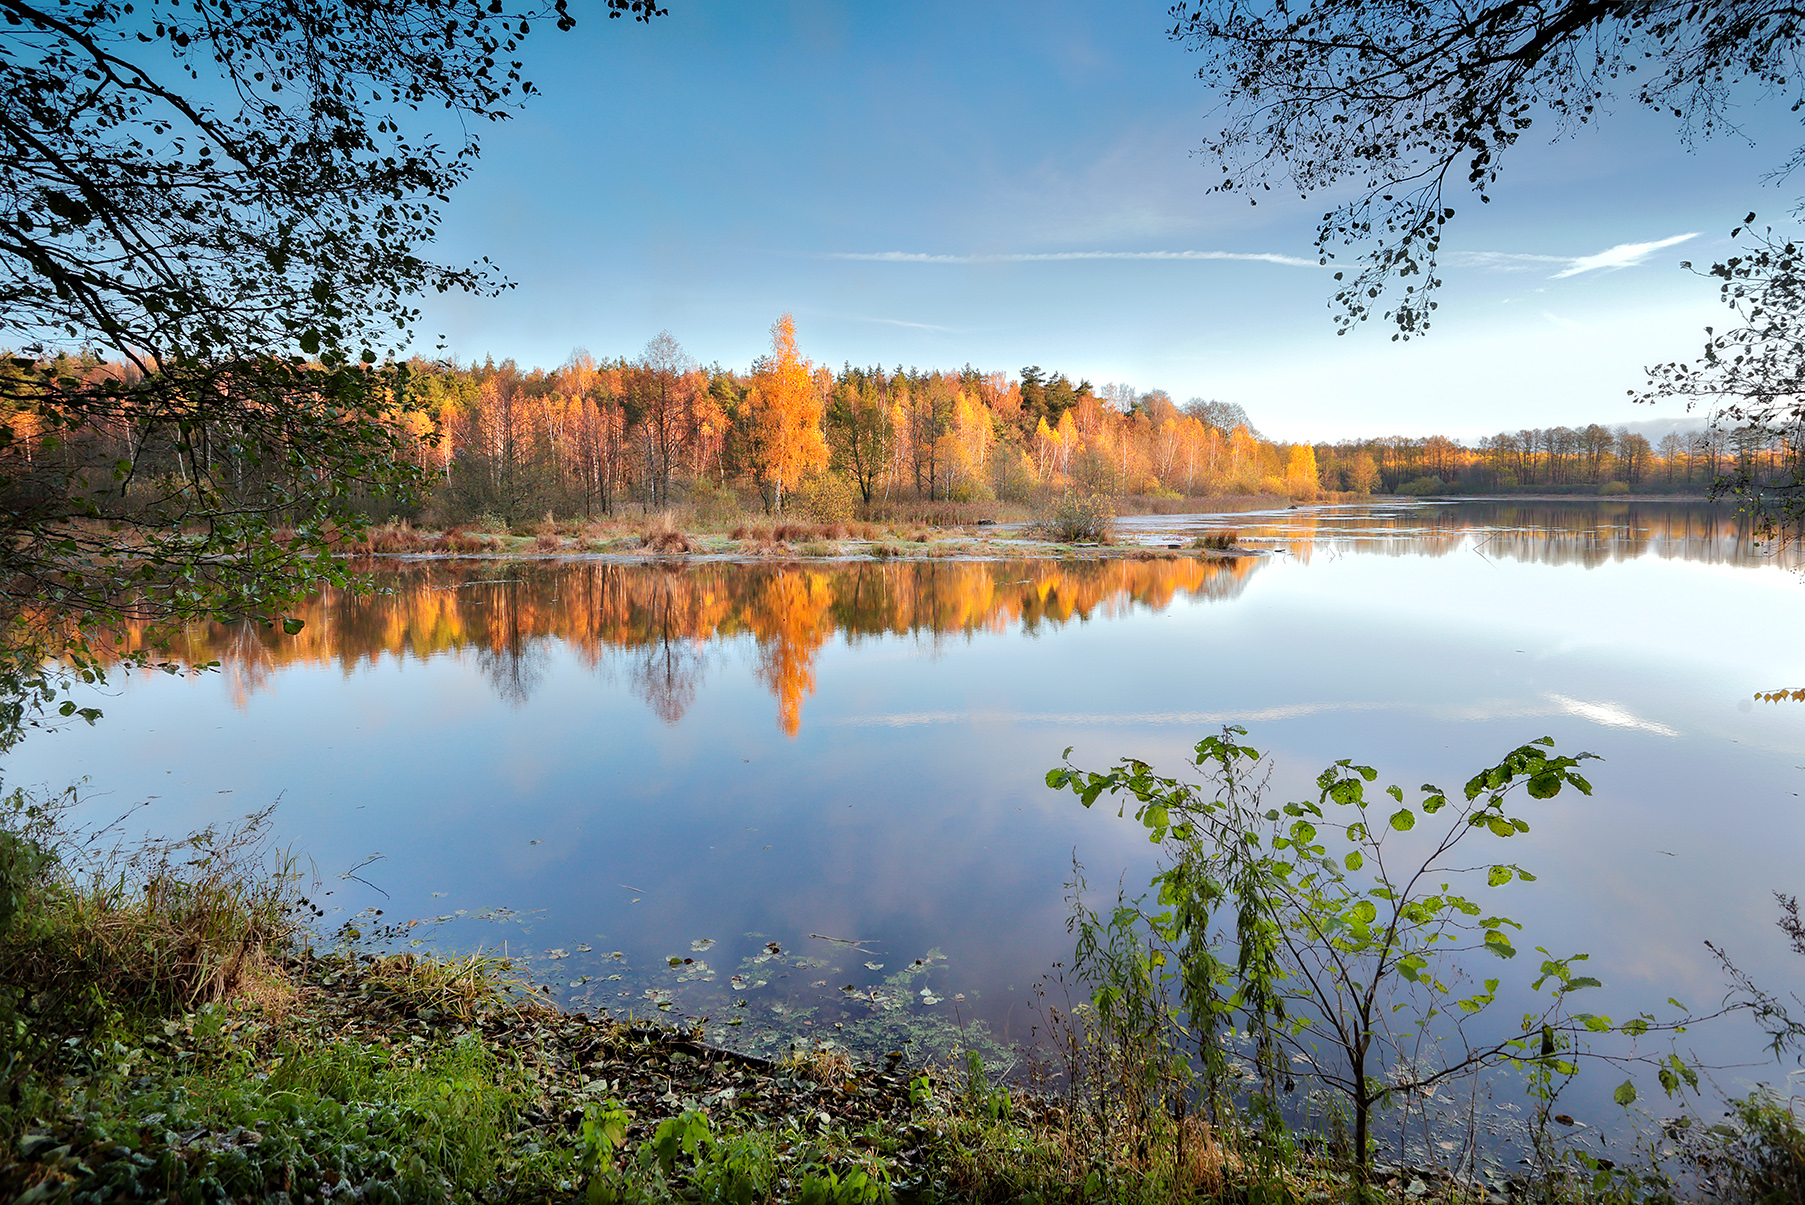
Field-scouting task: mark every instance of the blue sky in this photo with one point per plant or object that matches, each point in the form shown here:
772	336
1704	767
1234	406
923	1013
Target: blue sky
1008	184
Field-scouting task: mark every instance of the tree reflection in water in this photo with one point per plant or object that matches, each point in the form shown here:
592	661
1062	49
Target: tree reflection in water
663	624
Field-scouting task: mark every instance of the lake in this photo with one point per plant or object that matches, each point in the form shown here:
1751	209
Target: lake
822	784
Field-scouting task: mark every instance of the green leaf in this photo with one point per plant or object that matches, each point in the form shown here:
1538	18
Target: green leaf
1403	820
1497	876
1625	1094
1354	861
293	626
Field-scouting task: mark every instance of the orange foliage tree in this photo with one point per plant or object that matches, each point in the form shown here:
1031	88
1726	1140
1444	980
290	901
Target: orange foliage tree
787	442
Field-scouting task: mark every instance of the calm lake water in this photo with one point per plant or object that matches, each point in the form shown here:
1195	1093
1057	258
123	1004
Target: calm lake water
644	763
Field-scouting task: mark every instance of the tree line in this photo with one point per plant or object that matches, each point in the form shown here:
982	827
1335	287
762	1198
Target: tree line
1586	459
591	437
660	428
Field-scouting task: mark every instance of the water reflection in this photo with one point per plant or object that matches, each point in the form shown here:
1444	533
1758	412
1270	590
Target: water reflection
1585	532
587	743
660	626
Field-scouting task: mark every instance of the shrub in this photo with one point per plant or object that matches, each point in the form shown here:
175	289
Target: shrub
972	490
827	498
1332	939
1614	487
1078	520
1765	1160
713	503
1421	487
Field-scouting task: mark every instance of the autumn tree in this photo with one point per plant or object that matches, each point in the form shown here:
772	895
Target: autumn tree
664	386
597	429
1300	470
859	427
785	415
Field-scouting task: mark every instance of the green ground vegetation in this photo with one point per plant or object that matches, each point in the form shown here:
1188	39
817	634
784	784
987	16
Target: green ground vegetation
173	1028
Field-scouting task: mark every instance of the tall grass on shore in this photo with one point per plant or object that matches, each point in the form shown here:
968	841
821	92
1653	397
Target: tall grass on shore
162	924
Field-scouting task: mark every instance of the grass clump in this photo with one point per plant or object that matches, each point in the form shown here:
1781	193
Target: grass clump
163	925
1216	541
164	1034
663	537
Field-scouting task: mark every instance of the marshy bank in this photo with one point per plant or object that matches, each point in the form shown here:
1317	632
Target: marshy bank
172	1030
172	1033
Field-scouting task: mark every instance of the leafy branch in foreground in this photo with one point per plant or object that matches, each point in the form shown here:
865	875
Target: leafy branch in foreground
1751	380
212	221
1350	923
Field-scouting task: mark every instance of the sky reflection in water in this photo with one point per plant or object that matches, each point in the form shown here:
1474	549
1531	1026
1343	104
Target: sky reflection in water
642	758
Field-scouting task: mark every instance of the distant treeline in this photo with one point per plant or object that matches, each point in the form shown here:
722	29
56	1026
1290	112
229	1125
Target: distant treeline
659	429
593	437
1592	459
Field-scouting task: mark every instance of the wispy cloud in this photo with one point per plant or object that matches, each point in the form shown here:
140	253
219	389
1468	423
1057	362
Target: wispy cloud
1040	257
1610	714
914	326
1502	261
1623	255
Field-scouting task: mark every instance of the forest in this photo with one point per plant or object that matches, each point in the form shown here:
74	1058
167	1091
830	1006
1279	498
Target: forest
592	436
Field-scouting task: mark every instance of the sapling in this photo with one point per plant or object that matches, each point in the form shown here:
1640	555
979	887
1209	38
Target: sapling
1347	935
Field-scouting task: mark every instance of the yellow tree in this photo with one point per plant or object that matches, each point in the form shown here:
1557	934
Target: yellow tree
787	419
1301	472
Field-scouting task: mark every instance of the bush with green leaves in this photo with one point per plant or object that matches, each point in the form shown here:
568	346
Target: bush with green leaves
1331	936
